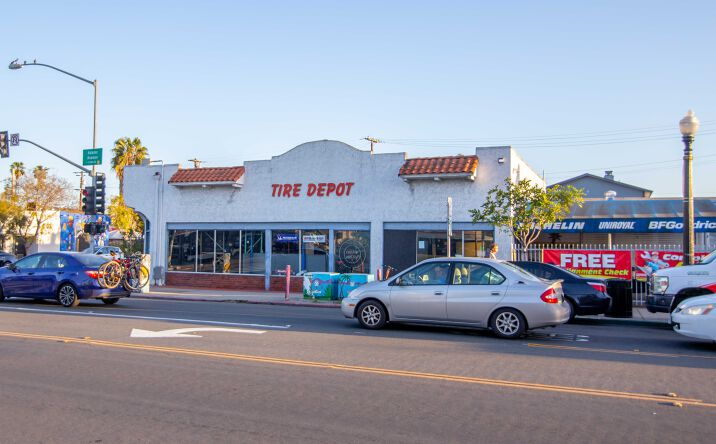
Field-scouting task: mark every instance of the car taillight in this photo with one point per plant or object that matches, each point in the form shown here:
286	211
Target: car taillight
94	274
550	296
598	286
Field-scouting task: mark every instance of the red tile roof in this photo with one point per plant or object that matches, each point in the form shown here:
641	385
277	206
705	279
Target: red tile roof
224	174
439	165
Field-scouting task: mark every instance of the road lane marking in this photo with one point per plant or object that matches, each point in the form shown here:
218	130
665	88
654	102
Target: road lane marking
618	352
184	332
370	370
148	318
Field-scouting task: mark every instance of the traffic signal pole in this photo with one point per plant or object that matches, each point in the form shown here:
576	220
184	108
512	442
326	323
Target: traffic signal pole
57	155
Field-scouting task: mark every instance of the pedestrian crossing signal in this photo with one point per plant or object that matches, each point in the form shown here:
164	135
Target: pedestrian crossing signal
4	147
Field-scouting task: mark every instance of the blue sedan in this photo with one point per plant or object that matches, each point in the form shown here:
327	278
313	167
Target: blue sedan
66	277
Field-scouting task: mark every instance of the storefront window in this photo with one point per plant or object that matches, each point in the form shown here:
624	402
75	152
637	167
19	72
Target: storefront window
314	250
352	251
182	250
253	260
206	251
284	251
228	251
434	244
477	243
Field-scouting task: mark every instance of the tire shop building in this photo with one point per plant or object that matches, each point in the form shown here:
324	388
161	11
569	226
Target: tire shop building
321	206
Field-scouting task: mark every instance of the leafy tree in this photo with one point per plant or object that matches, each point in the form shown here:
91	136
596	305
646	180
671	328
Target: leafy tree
11	216
40	197
126	152
523	208
125	219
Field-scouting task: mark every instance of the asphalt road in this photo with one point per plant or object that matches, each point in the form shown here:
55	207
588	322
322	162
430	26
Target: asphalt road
294	374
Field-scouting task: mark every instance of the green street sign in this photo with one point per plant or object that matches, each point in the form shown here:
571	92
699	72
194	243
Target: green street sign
92	156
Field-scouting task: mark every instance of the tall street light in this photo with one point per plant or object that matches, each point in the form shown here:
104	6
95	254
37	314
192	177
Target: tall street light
689	125
15	65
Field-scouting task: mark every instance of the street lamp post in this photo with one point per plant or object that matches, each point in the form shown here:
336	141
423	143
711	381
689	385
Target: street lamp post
15	65
689	125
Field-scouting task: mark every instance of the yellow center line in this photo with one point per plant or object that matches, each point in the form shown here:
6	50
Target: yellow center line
618	352
370	370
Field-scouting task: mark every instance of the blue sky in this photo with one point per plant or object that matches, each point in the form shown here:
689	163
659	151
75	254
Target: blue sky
226	82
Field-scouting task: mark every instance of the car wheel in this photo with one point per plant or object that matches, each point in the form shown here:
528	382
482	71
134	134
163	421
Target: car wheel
508	323
372	315
572	309
67	296
110	301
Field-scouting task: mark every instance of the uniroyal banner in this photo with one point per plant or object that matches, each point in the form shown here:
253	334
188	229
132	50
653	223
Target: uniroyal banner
605	264
647	262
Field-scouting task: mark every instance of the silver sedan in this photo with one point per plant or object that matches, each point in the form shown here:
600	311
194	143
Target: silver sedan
466	292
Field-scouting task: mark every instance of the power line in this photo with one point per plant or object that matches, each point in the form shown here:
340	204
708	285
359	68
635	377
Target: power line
615	167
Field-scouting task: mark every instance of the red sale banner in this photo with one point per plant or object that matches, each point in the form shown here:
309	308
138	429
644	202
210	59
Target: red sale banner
603	264
647	262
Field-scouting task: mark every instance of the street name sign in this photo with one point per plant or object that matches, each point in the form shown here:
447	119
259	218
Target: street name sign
92	156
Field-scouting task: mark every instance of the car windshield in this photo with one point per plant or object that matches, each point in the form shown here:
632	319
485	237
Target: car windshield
708	259
89	250
521	272
90	260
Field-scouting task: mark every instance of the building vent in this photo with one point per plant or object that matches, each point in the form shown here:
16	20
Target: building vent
609	175
610	195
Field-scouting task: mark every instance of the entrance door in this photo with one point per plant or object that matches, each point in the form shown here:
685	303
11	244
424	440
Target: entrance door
475	289
421	292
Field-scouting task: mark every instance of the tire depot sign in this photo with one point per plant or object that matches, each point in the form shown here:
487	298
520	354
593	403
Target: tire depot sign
603	264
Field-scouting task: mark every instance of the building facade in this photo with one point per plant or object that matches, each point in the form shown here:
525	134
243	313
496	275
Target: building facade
321	206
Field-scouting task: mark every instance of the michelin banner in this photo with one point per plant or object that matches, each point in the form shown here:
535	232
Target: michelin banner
604	264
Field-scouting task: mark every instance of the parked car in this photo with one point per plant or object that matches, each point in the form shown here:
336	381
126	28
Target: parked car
105	251
585	295
6	258
66	277
468	292
671	286
696	318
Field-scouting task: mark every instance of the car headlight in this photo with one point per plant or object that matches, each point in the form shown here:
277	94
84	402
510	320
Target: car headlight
698	310
659	284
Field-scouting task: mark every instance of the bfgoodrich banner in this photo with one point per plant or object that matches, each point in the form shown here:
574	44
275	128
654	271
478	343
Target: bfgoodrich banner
605	264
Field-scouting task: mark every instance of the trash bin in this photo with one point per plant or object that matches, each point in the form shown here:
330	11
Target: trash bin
620	291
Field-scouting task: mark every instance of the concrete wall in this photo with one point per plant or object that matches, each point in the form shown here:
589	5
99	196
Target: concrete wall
379	195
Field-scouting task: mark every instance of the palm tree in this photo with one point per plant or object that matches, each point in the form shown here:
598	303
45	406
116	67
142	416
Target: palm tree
126	152
17	170
40	172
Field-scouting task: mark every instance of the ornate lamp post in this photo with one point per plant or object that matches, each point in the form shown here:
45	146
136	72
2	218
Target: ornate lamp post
689	125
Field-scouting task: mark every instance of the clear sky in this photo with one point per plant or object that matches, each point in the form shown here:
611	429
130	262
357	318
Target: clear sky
574	86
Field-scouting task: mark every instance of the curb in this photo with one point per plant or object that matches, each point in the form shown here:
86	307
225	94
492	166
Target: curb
238	301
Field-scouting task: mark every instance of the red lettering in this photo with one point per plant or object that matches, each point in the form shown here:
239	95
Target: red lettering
340	189
349	185
321	189
311	189
331	188
296	189
287	190
276	187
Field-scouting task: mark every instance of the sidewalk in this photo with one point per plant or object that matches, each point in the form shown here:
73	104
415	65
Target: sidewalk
639	314
248	297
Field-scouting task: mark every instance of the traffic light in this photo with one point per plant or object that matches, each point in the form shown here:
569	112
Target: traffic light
88	201
4	148
100	182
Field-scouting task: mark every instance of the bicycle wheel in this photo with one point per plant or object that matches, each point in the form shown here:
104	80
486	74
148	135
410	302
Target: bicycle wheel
135	277
109	274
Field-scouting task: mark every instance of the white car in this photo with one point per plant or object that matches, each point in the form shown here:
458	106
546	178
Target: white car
696	318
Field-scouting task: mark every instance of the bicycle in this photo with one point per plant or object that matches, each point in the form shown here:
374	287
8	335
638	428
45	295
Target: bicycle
130	272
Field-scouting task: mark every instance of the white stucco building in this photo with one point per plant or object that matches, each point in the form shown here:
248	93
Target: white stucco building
321	206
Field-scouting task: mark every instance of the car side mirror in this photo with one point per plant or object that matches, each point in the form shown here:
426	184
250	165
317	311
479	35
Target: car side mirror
397	282
12	267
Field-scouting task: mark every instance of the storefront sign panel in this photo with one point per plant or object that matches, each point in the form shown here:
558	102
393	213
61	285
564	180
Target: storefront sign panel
649	261
648	225
605	264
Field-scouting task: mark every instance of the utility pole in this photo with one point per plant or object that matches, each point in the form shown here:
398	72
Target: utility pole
372	141
197	162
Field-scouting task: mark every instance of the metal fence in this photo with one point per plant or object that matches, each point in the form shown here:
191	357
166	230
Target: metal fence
640	287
